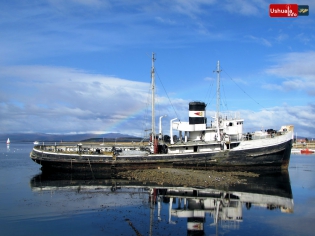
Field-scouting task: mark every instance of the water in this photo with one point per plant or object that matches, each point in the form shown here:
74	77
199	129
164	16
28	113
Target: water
32	203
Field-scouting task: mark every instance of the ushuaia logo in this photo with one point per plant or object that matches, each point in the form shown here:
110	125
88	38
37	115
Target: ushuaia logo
288	10
283	10
303	10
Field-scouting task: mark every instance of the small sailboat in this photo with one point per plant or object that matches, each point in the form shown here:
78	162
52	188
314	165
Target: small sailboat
102	144
8	141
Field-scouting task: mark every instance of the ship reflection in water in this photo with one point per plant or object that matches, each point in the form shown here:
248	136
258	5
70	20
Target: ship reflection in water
224	205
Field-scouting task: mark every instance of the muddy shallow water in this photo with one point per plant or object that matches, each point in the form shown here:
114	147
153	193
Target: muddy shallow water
155	202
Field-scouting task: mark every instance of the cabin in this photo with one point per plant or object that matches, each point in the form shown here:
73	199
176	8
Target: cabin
197	135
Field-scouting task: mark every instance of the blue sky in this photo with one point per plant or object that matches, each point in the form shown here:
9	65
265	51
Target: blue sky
84	65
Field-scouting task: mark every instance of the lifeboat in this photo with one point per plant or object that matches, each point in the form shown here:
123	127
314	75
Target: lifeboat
307	151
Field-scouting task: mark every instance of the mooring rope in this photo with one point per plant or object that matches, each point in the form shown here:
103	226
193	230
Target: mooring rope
91	168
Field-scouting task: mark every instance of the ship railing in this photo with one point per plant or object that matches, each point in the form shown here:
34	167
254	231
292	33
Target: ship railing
233	137
72	148
255	136
230	115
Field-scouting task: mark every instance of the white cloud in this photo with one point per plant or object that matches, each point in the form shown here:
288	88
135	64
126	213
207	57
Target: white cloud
189	7
282	37
296	69
301	117
58	27
166	21
89	2
87	33
65	100
303	38
259	40
66	95
209	79
246	7
59	4
240	81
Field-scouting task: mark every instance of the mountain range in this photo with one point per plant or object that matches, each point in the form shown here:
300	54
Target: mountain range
42	137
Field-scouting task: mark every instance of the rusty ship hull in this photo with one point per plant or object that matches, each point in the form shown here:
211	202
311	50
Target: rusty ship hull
268	158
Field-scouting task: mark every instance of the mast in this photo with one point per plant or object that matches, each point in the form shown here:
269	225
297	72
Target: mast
153	100
218	101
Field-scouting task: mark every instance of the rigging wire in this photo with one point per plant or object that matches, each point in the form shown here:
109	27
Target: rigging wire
208	93
146	114
167	95
272	112
155	70
243	90
224	102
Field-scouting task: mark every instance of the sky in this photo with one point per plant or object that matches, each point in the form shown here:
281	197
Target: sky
84	66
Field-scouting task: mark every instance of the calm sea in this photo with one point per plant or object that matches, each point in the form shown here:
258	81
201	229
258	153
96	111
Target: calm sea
35	203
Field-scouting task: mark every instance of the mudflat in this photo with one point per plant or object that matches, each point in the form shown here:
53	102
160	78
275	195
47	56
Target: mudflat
187	177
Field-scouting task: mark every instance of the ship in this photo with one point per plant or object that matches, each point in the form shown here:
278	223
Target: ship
219	144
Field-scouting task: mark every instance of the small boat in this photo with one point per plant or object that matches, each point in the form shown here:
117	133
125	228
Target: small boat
36	143
102	144
307	151
8	141
219	144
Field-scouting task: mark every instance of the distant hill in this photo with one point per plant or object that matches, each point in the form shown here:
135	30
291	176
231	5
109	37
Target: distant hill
109	137
120	139
41	137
